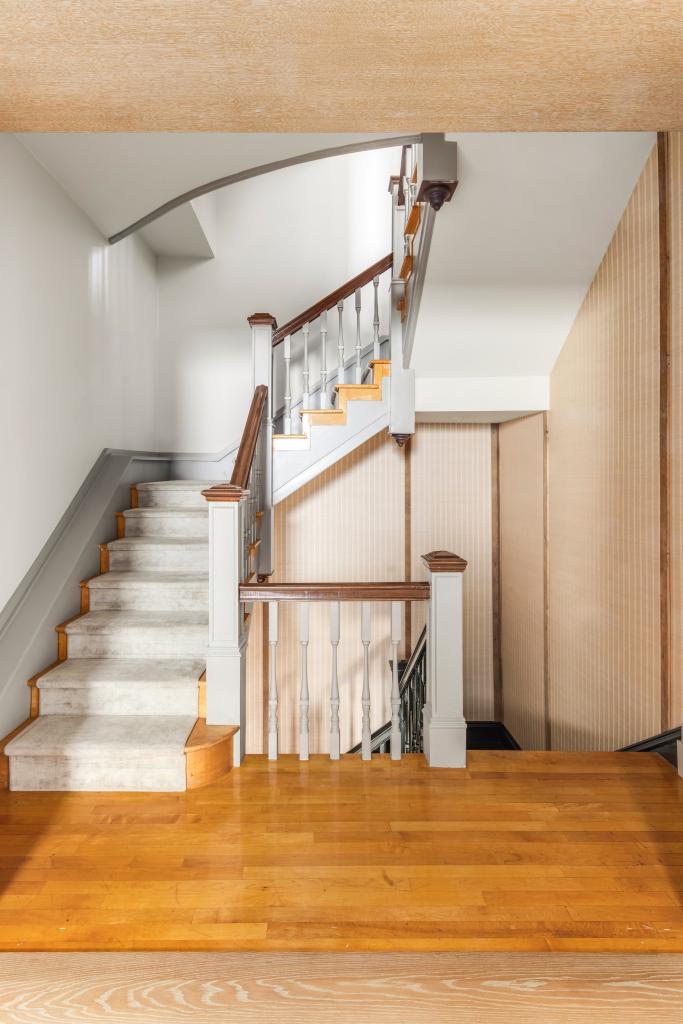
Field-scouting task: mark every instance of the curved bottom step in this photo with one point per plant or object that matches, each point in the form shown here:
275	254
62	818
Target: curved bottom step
208	753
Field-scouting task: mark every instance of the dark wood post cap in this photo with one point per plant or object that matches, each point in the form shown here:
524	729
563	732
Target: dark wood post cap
262	318
444	561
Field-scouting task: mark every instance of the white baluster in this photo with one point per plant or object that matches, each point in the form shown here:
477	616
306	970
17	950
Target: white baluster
306	373
304	697
375	320
272	681
324	397
359	346
288	383
340	344
334	687
366	736
395	692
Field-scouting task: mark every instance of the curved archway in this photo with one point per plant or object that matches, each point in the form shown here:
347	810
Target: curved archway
254	172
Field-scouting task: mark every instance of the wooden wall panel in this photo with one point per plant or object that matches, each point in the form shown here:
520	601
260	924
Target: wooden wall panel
451	508
521	447
675	190
303	65
604	497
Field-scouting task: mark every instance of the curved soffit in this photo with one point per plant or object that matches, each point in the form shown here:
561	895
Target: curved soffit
254	172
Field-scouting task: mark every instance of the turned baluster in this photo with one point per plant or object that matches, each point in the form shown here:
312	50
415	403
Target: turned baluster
334	686
304	695
305	401
288	383
395	692
359	346
324	397
340	344
375	320
366	735
272	681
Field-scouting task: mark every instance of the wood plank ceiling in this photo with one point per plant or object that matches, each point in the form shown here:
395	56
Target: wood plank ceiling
372	65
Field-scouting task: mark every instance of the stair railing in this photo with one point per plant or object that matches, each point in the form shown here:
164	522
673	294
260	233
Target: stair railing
314	340
236	523
412	683
444	725
426	180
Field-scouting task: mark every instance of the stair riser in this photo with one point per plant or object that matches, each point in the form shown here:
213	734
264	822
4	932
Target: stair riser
142	774
170	525
160	643
177	557
172	499
148	598
121	700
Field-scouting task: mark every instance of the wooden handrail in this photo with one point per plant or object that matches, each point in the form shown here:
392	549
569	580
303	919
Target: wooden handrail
334	592
245	452
331	300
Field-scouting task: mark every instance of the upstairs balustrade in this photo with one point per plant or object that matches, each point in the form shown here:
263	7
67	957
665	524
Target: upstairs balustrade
315	341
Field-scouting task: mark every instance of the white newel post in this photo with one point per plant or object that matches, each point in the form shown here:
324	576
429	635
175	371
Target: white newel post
444	726
226	655
262	327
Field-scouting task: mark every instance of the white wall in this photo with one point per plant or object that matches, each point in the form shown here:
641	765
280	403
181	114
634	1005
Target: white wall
515	250
282	242
78	331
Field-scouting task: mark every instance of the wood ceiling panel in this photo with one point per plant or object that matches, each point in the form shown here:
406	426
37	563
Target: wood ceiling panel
304	65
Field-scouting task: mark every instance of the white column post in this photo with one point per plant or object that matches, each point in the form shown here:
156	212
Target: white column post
262	327
226	662
444	726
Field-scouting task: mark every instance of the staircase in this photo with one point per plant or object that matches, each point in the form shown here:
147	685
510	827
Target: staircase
122	709
158	649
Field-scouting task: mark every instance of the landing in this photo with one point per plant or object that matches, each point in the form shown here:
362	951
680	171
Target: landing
521	852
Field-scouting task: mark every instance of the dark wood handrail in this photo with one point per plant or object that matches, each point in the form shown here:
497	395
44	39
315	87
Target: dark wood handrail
314	311
334	592
245	452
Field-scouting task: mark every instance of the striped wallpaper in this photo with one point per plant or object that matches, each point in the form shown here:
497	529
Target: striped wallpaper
604	497
349	524
676	421
451	509
522	502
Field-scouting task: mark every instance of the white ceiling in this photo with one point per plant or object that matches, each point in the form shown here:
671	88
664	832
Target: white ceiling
512	256
119	177
514	252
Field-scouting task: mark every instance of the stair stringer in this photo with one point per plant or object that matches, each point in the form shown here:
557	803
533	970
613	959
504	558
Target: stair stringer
329	444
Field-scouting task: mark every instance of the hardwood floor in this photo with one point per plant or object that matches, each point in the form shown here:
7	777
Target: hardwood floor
340	988
520	852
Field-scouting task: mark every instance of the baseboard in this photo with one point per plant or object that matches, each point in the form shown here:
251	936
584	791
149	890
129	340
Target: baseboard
490	736
664	743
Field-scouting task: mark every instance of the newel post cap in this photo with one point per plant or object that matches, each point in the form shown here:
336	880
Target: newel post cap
262	319
444	561
224	492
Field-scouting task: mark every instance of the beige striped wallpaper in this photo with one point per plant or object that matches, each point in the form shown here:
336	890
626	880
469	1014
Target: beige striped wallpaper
522	572
604	497
349	524
451	509
676	422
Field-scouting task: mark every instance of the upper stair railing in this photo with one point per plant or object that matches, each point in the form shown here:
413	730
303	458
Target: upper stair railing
426	180
305	342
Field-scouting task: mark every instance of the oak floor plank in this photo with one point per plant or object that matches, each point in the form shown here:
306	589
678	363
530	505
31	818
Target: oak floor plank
520	852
